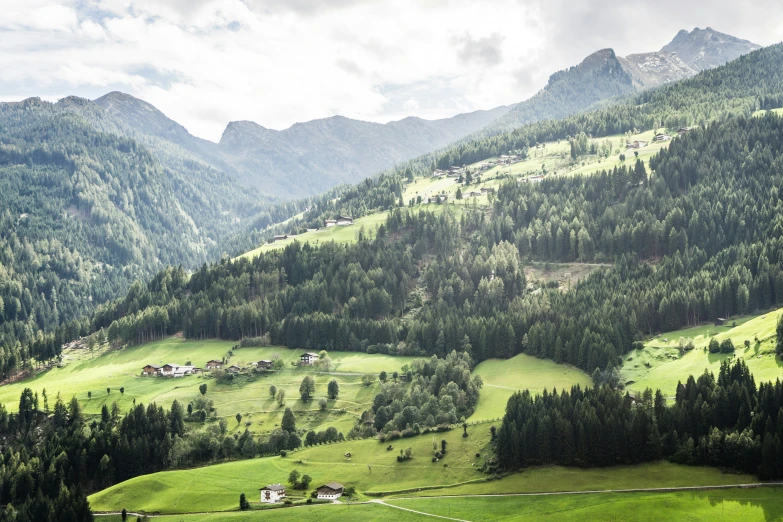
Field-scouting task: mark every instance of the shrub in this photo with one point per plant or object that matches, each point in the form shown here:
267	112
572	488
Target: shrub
434	459
283	453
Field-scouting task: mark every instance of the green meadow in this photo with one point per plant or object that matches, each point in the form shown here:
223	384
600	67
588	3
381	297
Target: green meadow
503	377
247	394
370	468
729	504
660	366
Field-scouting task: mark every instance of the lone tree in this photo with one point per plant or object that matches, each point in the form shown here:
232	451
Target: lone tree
239	418
280	397
307	388
203	389
89	395
443	446
289	422
305	482
244	505
382	376
293	477
333	389
122	390
108	391
273	391
124	514
322	404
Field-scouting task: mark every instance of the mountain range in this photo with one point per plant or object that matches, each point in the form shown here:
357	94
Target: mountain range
314	156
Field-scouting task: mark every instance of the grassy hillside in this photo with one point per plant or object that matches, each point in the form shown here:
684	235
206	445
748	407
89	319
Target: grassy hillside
218	487
502	377
247	394
660	366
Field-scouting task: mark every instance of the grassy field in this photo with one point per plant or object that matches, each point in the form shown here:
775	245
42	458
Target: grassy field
729	504
247	394
217	487
316	513
557	478
502	377
660	366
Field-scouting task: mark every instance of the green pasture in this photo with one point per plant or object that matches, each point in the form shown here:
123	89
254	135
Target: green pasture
371	467
247	394
660	366
503	377
729	504
661	474
316	513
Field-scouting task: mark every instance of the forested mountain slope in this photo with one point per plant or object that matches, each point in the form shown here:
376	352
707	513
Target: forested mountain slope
87	209
710	217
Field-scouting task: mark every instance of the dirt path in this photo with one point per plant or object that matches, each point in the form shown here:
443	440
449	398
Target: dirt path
381	502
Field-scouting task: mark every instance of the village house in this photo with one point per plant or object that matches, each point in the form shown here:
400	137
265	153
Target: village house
636	144
312	230
438	173
662	137
234	369
308	358
683	130
182	371
438	198
536	179
263	364
487	190
272	493
150	369
330	222
214	364
344	221
280	237
473	194
330	491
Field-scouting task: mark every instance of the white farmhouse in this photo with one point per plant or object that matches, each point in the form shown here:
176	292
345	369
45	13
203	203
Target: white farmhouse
272	493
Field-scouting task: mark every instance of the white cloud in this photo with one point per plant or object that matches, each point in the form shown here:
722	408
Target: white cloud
277	62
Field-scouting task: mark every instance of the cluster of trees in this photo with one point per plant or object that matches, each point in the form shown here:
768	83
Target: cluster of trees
440	392
726	421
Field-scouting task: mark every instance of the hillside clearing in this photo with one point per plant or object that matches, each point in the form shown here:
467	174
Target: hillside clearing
660	366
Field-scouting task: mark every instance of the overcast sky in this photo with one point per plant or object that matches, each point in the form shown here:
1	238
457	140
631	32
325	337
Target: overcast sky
276	62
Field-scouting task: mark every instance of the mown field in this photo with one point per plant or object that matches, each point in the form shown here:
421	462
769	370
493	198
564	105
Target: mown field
660	366
247	394
371	468
730	504
503	377
217	488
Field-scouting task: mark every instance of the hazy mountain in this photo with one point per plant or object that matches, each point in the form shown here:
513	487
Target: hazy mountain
311	157
707	48
600	76
686	55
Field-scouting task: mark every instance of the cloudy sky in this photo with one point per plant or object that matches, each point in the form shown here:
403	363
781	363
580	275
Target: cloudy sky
276	62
